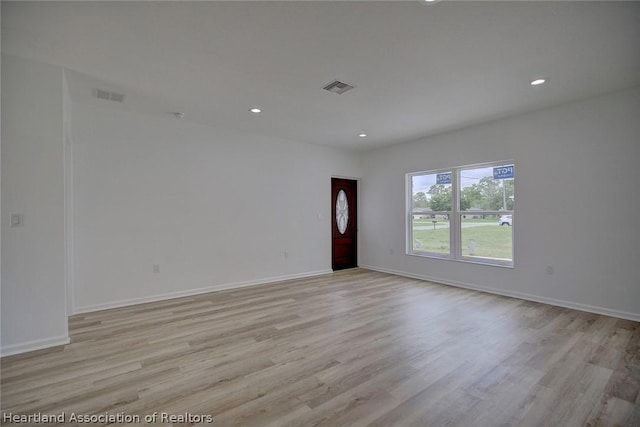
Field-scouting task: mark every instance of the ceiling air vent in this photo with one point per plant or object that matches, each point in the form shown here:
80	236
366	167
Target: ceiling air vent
109	96
338	87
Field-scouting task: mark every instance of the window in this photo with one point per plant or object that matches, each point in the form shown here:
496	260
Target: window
463	213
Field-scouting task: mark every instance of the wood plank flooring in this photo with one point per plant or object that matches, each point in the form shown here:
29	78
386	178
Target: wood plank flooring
352	348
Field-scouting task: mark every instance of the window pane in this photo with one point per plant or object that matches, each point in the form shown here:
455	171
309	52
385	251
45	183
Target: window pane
431	192
480	191
431	233
431	207
487	236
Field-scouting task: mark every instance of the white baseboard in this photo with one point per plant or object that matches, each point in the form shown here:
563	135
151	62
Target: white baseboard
24	347
521	295
191	292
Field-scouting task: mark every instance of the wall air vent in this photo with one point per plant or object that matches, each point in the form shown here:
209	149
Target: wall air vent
338	87
109	96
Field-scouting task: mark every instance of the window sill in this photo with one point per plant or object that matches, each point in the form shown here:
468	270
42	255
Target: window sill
466	260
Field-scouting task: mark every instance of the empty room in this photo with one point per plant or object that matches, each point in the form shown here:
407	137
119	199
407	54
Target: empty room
320	213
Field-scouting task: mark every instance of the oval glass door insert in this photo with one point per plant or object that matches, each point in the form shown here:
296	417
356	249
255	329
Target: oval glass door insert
342	212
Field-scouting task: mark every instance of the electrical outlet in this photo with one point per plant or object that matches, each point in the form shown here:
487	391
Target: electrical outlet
17	220
156	268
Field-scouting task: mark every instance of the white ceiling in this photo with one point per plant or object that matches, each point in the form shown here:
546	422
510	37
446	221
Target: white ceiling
419	69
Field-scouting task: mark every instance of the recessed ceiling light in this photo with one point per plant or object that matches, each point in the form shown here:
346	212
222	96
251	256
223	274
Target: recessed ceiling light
538	82
362	135
256	110
430	1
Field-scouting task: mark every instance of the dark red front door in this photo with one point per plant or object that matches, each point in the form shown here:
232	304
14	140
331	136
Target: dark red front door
344	212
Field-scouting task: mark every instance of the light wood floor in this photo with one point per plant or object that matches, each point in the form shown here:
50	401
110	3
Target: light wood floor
347	349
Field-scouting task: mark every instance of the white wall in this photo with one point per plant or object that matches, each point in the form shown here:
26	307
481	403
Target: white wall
1	216
33	290
213	208
216	208
577	204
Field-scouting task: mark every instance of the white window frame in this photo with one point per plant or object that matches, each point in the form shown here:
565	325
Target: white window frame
455	218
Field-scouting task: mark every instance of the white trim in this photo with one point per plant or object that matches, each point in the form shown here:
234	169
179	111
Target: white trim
465	259
24	347
69	255
521	295
351	178
191	292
